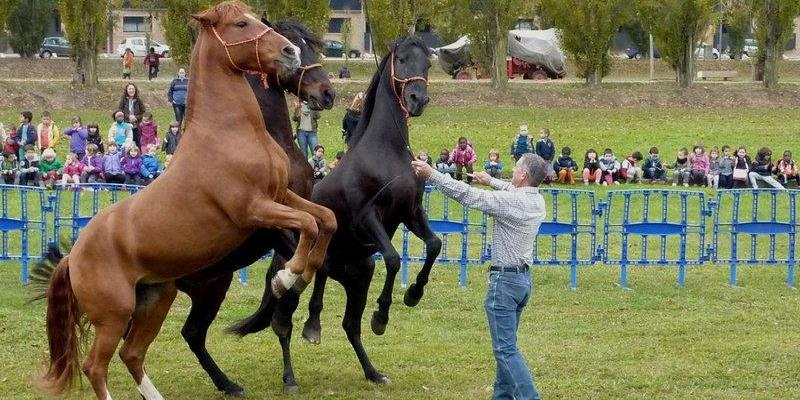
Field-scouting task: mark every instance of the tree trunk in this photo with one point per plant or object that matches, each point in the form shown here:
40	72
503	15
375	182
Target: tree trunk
772	48
686	67
499	51
594	78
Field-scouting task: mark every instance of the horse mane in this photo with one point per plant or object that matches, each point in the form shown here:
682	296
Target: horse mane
292	29
369	97
369	104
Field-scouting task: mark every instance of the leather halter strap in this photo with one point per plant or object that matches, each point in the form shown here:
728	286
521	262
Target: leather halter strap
255	41
303	69
403	81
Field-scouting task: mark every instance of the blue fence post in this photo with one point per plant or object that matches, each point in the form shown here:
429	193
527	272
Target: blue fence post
243	276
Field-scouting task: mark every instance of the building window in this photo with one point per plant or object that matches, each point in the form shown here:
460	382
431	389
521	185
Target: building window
335	25
133	24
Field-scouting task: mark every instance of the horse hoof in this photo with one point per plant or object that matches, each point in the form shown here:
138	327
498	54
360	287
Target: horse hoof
378	323
380	379
233	390
311	334
291	390
413	295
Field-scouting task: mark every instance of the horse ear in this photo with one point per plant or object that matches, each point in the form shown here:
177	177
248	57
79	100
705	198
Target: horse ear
207	18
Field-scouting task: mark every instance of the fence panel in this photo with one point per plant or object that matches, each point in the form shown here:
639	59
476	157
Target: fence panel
23	225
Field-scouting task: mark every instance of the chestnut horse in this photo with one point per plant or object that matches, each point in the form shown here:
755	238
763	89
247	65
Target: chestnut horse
184	221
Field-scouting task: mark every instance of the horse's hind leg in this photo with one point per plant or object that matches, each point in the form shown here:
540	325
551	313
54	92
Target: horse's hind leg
312	329
206	301
282	326
419	226
153	304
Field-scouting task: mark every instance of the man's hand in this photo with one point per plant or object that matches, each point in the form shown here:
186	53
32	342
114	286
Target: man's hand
422	169
482	177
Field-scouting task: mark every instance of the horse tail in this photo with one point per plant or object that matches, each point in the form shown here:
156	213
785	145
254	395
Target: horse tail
261	319
64	328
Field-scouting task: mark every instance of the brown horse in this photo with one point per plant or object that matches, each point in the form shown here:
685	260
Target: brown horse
188	218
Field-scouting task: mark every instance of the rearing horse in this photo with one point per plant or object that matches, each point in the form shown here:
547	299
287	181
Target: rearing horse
204	216
372	192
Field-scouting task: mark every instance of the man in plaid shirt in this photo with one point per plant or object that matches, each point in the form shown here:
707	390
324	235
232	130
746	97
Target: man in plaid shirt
518	210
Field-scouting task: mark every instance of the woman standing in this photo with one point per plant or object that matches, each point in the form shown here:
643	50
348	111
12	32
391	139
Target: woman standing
351	117
177	94
132	106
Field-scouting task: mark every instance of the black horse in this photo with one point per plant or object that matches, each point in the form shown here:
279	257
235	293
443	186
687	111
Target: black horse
372	192
208	287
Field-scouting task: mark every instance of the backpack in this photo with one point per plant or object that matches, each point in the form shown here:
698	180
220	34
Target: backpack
521	147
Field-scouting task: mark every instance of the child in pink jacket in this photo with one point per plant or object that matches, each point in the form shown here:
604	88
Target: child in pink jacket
463	156
698	165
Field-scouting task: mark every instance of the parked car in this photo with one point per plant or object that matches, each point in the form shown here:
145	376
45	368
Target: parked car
55	46
700	51
634	53
137	45
335	48
750	47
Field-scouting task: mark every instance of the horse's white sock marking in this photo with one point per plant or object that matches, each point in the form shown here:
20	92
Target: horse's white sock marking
108	395
287	278
148	390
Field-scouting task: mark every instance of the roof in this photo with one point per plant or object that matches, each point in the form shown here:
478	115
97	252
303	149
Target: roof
353	5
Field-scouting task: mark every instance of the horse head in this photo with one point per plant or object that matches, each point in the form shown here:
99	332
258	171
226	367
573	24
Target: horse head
250	45
408	68
309	82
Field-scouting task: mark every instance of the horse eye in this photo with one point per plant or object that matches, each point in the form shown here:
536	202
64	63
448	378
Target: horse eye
241	24
402	60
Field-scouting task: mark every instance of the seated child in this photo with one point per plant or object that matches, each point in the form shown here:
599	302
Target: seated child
628	171
151	167
787	169
92	165
443	163
681	167
522	143
565	167
726	165
336	161
132	166
762	168
493	166
591	168
654	168
72	170
29	173
609	165
463	157
10	168
318	163
423	156
50	168
713	168
112	165
698	162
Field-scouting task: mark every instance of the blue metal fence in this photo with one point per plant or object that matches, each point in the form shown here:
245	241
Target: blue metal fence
640	227
571	218
636	221
767	235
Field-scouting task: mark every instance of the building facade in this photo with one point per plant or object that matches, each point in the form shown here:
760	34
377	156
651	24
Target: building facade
134	22
353	11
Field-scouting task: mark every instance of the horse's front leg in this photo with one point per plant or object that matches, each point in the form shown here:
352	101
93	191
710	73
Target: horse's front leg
326	223
372	229
419	226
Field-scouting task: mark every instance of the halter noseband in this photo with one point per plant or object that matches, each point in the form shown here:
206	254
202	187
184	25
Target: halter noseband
401	96
255	40
303	69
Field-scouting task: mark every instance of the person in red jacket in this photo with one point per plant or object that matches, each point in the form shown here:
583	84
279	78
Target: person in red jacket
463	156
152	60
73	168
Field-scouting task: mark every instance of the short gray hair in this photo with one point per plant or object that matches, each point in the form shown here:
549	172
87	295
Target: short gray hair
535	168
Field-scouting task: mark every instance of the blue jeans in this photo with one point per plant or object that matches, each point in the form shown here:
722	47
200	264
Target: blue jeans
307	140
180	110
506	297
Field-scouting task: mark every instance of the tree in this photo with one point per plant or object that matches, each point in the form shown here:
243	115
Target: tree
177	30
86	26
27	24
389	19
677	26
487	22
347	30
738	16
152	7
587	29
774	21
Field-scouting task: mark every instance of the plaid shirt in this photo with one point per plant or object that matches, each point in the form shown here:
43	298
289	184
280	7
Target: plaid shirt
517	212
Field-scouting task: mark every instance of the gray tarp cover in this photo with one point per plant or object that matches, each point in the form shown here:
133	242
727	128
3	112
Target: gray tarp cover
534	46
537	47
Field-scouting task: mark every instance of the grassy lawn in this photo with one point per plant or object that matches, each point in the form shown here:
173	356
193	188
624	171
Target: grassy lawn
657	341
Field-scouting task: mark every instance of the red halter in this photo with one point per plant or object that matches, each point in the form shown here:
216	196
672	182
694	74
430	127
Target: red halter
255	40
303	69
400	96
